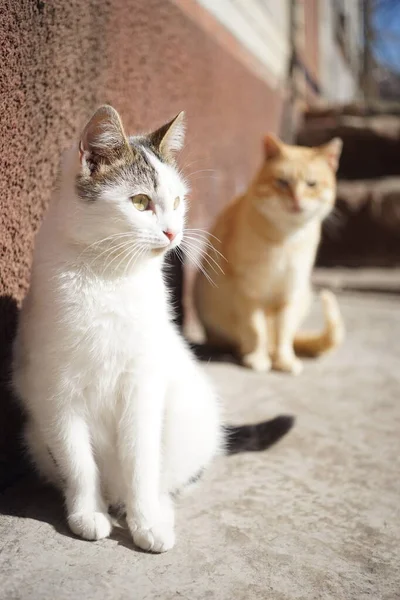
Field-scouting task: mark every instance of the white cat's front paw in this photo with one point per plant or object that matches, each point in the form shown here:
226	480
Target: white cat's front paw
90	526
154	534
257	361
160	537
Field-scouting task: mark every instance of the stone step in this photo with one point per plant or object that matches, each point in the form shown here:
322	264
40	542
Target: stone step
370	279
371	144
364	229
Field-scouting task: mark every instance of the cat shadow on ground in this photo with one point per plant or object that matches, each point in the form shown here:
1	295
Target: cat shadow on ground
208	353
30	498
22	494
12	460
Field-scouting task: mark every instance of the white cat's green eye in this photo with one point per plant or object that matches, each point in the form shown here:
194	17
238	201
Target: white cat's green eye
311	183
141	202
177	202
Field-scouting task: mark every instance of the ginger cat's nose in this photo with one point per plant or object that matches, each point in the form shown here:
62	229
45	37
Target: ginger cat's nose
296	206
296	203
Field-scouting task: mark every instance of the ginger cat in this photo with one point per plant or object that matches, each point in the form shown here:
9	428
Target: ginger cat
269	237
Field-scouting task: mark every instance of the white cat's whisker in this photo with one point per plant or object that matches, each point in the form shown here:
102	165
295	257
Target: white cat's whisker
206	242
126	248
110	246
200	177
190	164
179	254
134	257
205	233
204	239
110	251
196	244
190	253
99	242
202	171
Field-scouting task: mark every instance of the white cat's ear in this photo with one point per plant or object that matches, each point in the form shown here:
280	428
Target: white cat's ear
103	139
272	146
332	151
169	138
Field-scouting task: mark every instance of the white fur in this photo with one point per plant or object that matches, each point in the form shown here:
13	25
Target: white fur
118	410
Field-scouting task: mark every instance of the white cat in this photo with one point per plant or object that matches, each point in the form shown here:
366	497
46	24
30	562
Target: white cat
118	409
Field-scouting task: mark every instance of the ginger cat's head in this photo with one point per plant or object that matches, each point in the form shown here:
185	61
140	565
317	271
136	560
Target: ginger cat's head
296	184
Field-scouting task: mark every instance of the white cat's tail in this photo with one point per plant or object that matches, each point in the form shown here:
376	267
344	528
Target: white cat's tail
254	438
315	343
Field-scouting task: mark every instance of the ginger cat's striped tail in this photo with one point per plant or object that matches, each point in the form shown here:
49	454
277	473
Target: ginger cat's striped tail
314	344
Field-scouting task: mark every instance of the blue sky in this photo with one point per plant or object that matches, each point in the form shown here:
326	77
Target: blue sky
386	22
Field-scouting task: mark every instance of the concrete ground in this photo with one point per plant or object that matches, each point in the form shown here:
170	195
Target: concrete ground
315	517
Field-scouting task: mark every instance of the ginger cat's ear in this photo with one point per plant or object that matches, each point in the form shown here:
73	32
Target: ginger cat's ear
169	138
332	151
103	139
272	146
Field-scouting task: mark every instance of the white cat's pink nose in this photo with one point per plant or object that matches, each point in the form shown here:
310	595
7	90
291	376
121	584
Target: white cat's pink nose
170	234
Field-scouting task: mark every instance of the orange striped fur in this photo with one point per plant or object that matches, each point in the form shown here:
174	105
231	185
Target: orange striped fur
269	237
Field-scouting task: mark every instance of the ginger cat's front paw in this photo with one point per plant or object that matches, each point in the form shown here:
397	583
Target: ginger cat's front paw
288	364
257	361
154	534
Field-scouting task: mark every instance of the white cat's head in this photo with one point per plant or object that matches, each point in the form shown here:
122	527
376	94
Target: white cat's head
129	193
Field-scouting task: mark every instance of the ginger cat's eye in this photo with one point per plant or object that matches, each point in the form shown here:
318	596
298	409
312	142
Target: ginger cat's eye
177	202
141	202
283	183
311	183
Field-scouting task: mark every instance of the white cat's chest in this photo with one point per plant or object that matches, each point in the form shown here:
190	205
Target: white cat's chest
114	323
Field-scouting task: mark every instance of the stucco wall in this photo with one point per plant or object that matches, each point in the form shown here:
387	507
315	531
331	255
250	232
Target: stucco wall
148	58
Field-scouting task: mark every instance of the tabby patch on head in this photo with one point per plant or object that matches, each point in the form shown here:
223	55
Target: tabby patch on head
107	154
132	182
